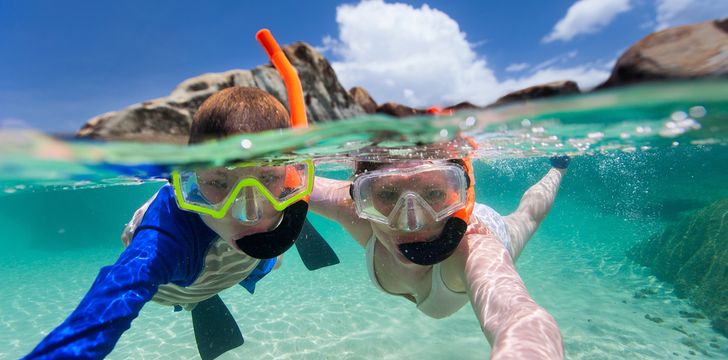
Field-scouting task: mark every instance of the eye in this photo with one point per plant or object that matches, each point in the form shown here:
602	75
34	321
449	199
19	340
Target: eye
270	179
387	195
217	184
435	195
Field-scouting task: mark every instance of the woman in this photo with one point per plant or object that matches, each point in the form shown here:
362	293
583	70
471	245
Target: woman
428	241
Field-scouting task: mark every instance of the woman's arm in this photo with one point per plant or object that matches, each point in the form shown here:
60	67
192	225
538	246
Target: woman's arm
331	199
535	204
516	327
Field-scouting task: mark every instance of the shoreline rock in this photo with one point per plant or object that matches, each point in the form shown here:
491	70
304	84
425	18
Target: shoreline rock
683	52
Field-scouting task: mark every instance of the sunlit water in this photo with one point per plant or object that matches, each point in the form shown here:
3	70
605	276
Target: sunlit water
642	159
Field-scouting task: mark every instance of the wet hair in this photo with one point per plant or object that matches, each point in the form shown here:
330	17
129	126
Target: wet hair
237	110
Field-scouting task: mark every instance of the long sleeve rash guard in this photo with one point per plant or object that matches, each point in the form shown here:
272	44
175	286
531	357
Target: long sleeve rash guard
169	247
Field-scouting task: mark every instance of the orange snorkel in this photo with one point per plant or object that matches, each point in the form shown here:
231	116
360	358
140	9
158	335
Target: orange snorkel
296	106
275	242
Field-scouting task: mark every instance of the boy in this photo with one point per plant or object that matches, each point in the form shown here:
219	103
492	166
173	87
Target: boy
239	220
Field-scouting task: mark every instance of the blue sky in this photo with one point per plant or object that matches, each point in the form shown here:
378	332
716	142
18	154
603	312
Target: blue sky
63	62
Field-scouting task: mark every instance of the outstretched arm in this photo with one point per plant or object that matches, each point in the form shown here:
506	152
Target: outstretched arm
114	300
535	204
166	244
516	327
331	199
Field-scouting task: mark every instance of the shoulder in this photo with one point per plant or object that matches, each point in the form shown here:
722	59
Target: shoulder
161	213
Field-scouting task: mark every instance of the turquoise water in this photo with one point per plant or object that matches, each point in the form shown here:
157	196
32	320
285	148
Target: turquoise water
642	159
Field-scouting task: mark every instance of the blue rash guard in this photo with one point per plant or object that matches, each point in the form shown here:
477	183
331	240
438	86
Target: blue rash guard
169	247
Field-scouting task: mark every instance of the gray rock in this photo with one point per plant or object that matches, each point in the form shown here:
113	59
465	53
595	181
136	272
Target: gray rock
325	98
463	106
169	118
555	88
362	97
684	52
399	110
148	122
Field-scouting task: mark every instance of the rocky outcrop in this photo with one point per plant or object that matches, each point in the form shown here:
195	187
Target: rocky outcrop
462	106
693	255
684	52
556	88
169	118
362	97
399	110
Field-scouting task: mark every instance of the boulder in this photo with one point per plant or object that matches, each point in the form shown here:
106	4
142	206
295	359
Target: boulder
362	97
153	121
462	106
169	118
692	254
684	52
564	87
325	98
399	110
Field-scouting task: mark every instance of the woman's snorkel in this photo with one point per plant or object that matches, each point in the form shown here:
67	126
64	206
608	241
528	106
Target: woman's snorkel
275	242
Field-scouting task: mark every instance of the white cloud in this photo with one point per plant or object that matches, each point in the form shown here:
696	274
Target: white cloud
680	12
587	17
420	57
517	67
390	47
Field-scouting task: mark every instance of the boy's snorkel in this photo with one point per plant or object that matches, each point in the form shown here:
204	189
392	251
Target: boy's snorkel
273	243
241	191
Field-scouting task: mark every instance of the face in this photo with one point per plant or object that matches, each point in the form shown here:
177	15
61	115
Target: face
432	187
251	213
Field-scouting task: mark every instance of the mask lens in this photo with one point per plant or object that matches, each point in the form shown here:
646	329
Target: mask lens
438	189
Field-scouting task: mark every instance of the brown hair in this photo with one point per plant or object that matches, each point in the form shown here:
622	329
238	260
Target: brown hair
237	110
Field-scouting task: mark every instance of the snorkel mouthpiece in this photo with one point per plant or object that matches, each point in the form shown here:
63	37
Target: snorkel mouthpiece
432	252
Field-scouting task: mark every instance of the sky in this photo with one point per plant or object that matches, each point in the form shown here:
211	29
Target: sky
62	63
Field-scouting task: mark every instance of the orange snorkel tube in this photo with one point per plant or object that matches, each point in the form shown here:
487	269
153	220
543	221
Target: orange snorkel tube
270	244
296	106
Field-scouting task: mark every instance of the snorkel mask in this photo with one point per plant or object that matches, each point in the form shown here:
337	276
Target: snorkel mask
242	187
407	199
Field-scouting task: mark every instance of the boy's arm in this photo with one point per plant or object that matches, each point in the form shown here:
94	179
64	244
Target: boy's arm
114	300
516	327
158	255
534	206
331	199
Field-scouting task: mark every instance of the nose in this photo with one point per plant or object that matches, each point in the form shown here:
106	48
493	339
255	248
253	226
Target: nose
411	217
247	209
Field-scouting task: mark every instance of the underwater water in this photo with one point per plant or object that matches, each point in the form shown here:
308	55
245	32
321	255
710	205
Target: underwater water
642	159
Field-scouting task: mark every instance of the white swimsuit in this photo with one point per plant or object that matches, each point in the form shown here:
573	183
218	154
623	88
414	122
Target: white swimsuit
442	301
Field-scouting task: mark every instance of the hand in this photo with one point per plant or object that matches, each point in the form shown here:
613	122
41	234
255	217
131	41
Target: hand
560	161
